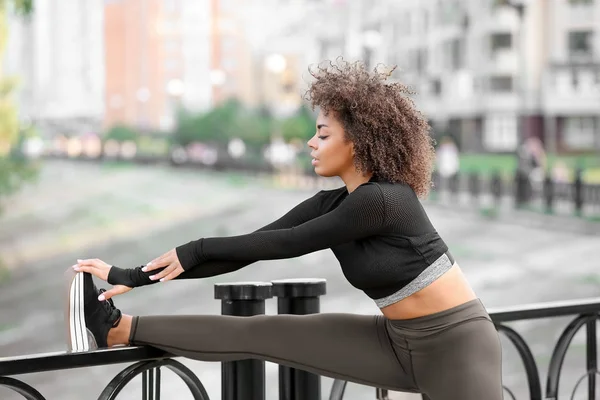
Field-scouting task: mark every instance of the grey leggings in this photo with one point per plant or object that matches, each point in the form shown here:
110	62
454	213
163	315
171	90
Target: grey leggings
450	355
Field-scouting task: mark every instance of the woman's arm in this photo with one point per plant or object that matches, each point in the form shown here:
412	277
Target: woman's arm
360	215
134	277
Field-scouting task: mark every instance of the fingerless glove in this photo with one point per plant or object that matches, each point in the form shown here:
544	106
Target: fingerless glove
131	277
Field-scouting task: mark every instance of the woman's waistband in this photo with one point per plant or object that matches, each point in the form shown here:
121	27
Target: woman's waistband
473	309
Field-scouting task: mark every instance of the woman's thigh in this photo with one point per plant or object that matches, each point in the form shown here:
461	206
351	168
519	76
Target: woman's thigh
343	346
462	363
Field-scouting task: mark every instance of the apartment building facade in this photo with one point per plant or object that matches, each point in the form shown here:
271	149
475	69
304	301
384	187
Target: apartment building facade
491	76
485	73
157	60
57	54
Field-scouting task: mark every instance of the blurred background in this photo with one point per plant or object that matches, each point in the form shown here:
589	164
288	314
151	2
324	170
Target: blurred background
128	127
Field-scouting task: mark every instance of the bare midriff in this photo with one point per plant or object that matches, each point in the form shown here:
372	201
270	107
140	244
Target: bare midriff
449	290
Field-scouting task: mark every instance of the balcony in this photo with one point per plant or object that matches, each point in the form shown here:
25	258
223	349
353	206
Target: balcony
572	88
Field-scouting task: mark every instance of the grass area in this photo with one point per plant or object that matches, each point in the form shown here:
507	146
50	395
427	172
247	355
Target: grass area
506	164
590	279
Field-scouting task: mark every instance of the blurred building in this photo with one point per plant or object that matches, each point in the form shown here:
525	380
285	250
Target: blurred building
157	60
58	55
284	38
252	59
480	67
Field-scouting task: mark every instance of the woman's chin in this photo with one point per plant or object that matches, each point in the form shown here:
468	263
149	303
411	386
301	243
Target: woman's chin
321	172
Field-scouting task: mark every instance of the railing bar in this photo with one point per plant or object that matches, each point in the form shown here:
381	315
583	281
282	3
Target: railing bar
592	357
145	385
32	363
151	384
158	377
545	310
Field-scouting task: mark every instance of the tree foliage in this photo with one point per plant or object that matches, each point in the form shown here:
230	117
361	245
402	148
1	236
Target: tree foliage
232	120
14	167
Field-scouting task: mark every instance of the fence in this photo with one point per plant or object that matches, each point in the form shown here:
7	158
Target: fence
520	192
245	379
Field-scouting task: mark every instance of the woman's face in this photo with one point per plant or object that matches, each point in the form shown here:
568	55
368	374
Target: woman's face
332	154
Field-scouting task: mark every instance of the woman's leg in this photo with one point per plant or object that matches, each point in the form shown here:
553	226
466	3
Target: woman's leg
344	346
466	363
351	347
456	354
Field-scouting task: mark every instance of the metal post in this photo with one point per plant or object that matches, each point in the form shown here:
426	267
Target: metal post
591	356
299	297
244	379
578	192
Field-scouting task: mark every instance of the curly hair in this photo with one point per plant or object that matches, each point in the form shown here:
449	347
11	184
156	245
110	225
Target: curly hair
390	136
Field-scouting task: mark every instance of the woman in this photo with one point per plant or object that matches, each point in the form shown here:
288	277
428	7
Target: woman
433	336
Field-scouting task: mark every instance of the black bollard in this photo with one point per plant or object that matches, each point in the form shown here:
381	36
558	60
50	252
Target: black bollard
549	193
244	379
299	297
578	192
496	187
474	184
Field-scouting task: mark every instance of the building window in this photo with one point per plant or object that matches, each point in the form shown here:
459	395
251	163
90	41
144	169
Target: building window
417	60
449	12
501	84
500	41
454	54
579	133
436	87
580	45
500	133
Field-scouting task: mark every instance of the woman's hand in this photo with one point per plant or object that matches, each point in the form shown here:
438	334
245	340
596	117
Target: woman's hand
100	269
168	260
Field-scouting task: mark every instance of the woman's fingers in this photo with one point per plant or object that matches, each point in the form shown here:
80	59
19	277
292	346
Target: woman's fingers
97	272
114	291
159	262
95	263
176	272
164	272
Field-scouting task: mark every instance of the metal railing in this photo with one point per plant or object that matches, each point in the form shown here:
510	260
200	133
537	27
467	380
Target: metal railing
520	192
245	379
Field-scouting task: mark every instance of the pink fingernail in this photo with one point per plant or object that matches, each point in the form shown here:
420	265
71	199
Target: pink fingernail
153	277
144	269
101	297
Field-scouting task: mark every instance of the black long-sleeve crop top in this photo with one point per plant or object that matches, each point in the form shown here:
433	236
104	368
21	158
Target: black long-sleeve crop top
380	234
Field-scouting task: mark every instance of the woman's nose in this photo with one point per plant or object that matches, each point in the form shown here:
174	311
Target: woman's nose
312	143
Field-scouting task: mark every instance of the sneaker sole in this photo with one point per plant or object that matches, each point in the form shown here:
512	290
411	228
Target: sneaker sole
79	338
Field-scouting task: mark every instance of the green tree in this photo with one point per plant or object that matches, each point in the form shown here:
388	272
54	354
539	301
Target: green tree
300	126
121	133
229	120
14	168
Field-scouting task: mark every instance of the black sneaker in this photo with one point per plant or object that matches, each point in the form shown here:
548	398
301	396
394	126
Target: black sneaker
88	319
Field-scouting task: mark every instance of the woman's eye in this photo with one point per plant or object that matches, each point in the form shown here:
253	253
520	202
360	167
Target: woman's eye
322	137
